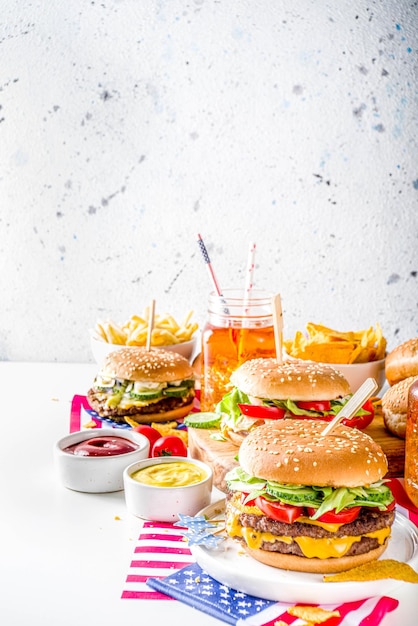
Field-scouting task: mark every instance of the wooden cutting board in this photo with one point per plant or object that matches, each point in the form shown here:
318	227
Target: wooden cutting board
220	455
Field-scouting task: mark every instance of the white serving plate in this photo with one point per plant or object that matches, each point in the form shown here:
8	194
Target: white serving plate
231	566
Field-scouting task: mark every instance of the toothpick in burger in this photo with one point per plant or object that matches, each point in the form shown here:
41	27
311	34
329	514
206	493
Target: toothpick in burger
303	501
265	390
140	386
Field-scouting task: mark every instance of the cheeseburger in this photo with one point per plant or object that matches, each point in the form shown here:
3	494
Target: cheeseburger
265	390
139	386
307	502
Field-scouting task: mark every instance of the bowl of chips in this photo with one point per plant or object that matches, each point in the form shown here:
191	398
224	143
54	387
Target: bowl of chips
358	355
168	334
357	373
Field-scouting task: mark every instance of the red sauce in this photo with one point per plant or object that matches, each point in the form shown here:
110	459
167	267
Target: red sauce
102	446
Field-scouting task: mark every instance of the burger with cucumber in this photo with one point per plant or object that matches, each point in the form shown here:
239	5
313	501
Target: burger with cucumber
264	390
303	501
140	386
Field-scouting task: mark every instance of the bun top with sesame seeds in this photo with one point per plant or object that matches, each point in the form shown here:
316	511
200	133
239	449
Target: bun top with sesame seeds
295	451
138	364
299	380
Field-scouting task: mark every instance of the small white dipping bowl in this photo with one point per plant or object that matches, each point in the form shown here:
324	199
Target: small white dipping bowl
163	504
357	373
100	349
97	474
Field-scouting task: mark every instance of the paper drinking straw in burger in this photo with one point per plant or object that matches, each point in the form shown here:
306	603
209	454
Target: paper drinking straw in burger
278	326
150	324
356	401
210	270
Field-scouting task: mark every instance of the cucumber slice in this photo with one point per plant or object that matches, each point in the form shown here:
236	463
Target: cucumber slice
152	394
176	392
203	420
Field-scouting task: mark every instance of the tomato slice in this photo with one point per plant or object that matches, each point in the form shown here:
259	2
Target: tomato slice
261	411
389	507
315	405
279	511
249	502
361	421
331	517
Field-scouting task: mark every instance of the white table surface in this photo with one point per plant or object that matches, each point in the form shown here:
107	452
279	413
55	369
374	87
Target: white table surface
63	555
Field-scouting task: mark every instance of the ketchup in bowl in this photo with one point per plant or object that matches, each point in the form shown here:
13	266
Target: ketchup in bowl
101	446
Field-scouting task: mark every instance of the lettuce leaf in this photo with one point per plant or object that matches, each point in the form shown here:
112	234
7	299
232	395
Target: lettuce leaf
323	499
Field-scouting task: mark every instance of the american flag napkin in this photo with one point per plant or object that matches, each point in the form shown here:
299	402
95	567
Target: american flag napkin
194	587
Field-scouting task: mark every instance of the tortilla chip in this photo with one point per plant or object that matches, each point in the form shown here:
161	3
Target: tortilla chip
376	570
312	614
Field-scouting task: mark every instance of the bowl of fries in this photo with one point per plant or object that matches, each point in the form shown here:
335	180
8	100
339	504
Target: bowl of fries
168	334
358	355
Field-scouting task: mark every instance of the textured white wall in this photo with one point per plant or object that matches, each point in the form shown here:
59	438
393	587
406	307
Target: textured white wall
127	127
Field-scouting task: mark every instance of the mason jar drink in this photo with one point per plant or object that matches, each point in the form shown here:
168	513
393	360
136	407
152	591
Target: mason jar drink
238	328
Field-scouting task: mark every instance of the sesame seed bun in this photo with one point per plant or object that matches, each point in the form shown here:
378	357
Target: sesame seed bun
402	362
138	364
395	406
295	451
298	380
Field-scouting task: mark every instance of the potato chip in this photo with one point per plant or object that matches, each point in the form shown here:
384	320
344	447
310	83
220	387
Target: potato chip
376	570
326	345
312	614
169	428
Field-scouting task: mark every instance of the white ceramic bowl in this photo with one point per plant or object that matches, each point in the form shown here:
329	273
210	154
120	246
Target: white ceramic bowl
97	474
357	373
101	349
163	504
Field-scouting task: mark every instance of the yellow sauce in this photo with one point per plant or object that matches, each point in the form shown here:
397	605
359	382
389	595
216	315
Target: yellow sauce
176	474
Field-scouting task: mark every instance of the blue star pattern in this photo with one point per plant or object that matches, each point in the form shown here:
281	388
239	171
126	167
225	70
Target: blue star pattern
199	531
194	587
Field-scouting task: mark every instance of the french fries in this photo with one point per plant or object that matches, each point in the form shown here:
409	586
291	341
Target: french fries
326	345
166	330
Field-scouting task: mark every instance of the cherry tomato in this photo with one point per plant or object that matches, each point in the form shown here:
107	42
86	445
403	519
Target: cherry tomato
261	411
149	432
331	517
170	445
279	511
317	405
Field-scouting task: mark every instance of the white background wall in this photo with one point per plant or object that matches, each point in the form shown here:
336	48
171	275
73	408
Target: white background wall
128	126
